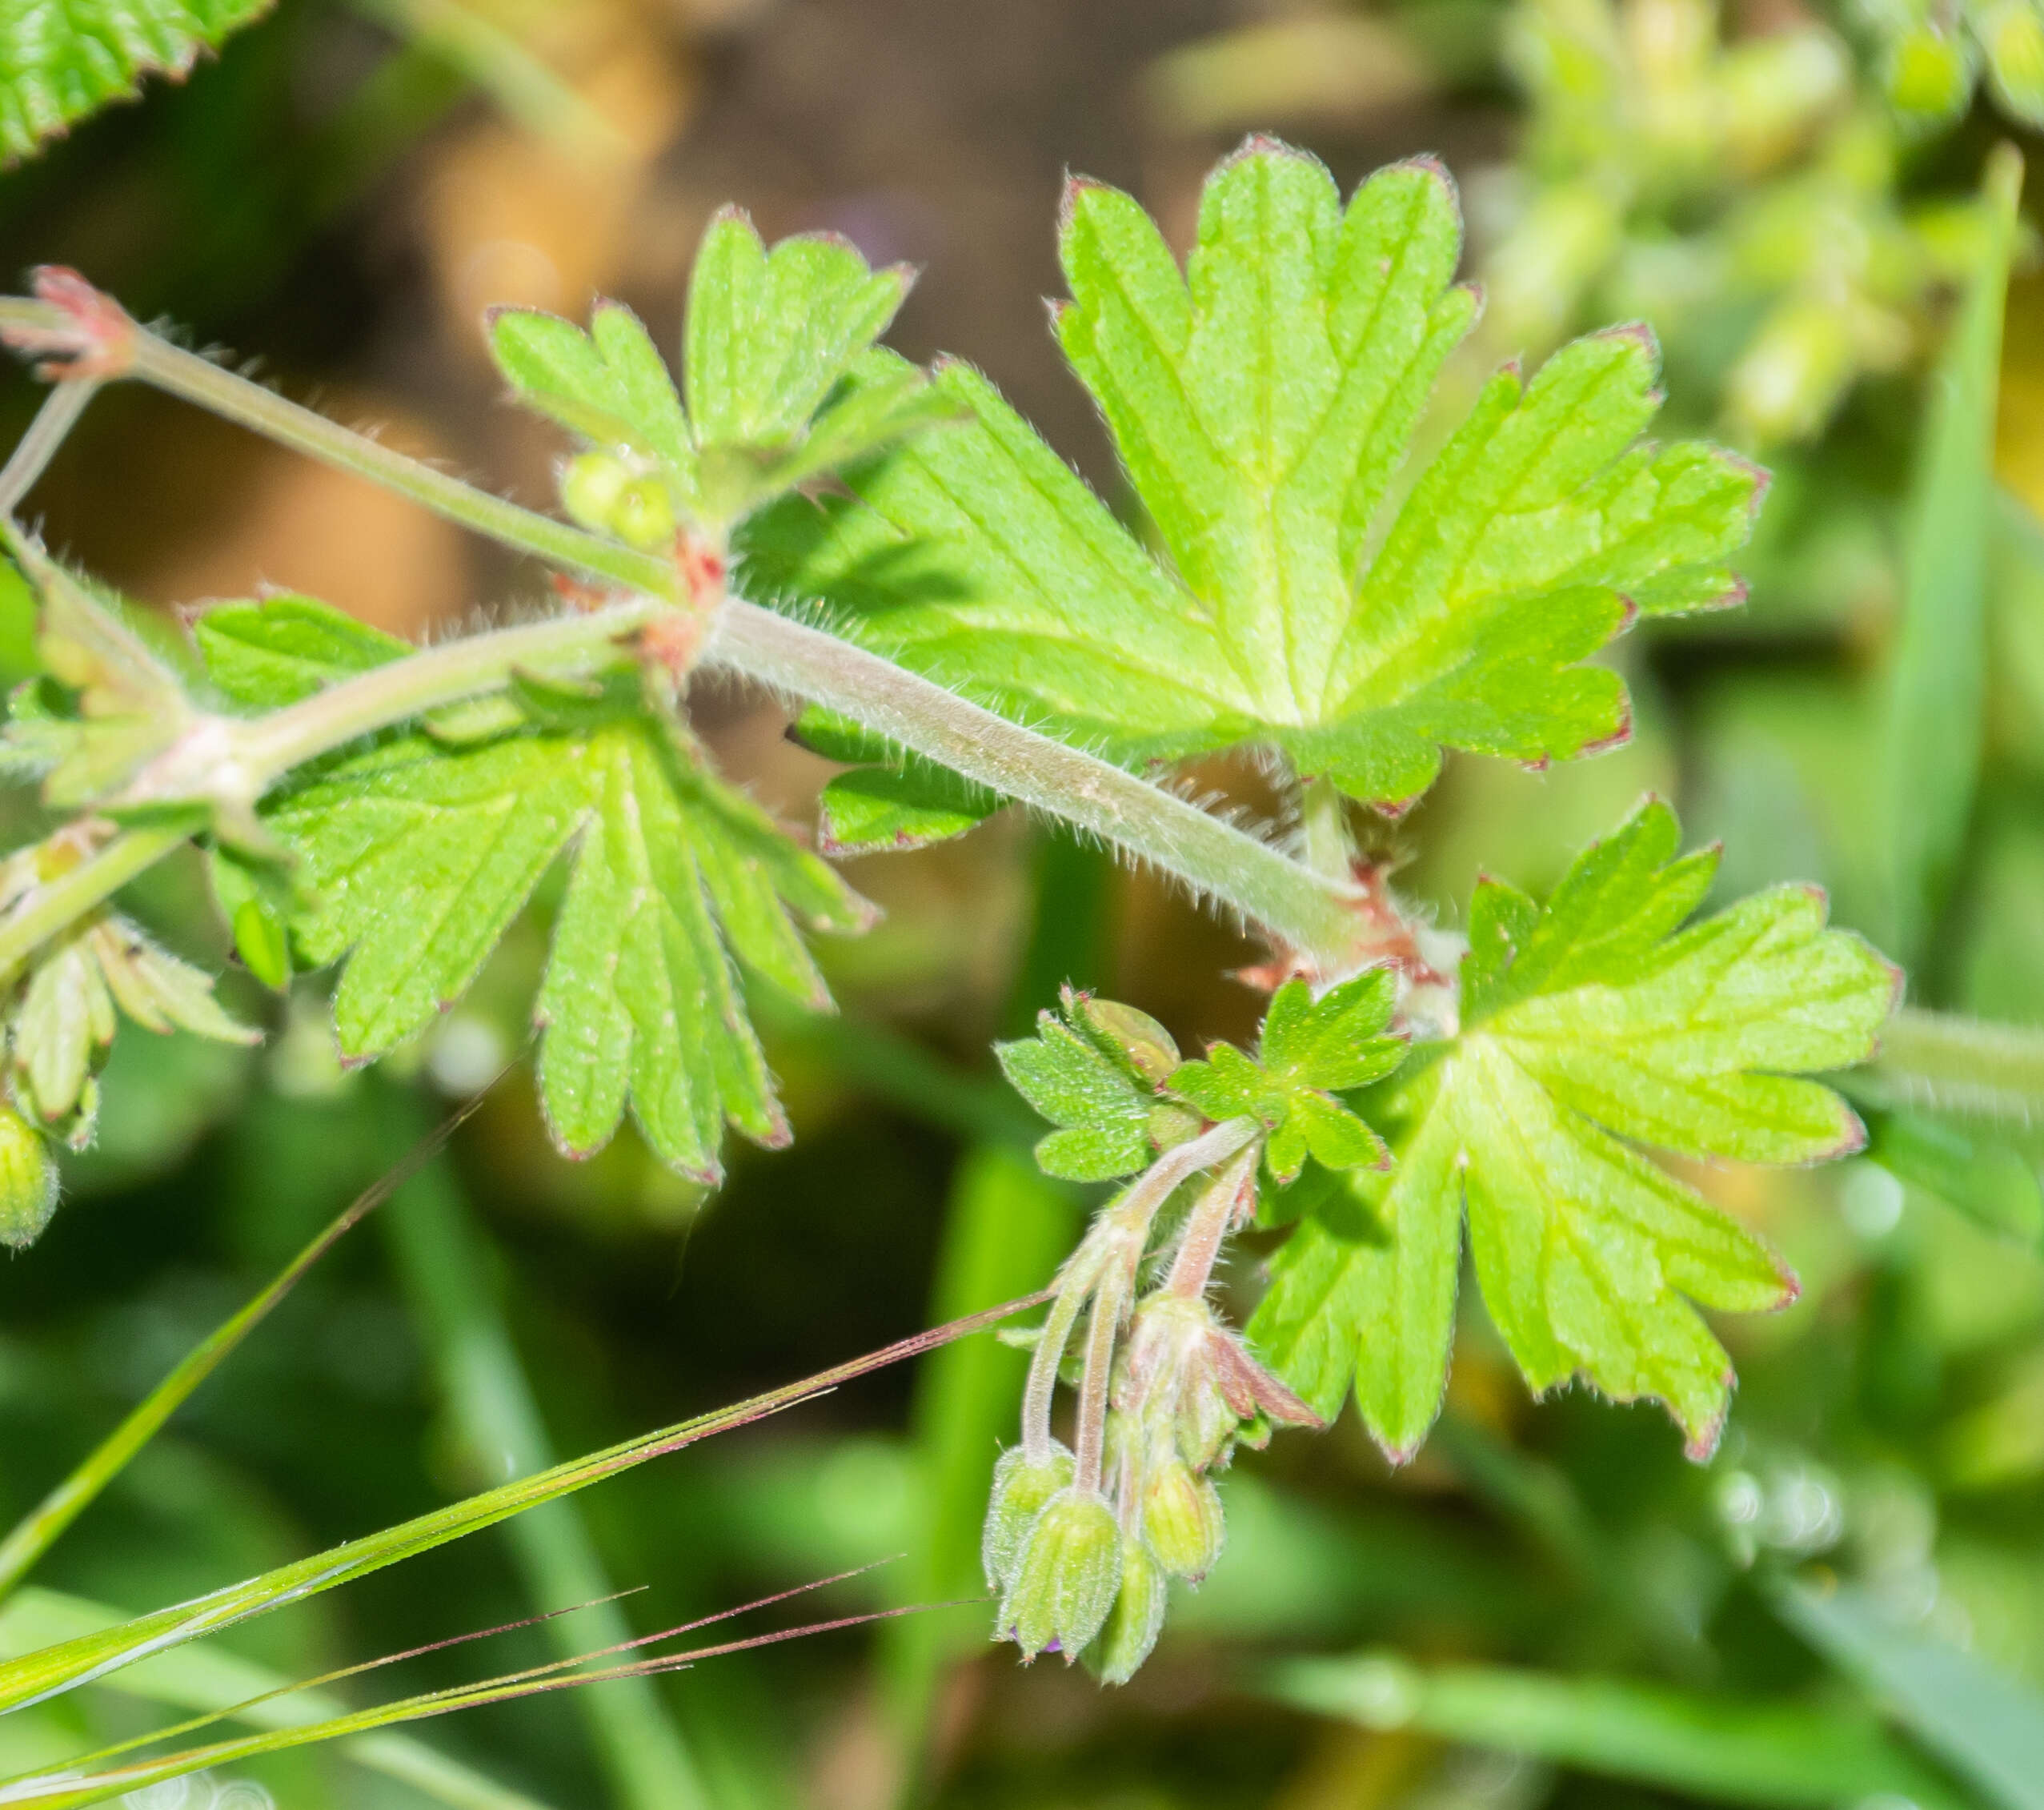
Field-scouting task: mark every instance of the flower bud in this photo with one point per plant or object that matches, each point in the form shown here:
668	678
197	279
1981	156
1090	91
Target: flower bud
590	487
1927	73
643	515
1182	1520
28	1181
2012	33
1021	1489
1134	1623
1066	1576
1144	1043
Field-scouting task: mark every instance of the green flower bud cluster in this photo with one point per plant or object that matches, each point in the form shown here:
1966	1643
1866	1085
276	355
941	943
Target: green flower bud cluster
610	493
1796	272
1086	1572
60	1013
1932	56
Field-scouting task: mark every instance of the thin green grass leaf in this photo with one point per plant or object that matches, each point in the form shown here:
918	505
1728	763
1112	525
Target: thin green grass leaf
213	1684
1933	737
1987	1725
64	1666
1779	1756
41	1528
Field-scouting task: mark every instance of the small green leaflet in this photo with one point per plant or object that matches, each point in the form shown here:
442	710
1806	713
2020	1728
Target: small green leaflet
63	59
1309	1050
106	703
1314	593
417	855
1095	1069
1591	1024
783	384
1110	1078
899	800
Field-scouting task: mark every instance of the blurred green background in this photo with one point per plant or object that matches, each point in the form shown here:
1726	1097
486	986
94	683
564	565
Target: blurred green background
338	195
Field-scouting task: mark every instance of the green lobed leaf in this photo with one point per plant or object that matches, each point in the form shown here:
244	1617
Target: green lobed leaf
61	60
1309	1048
265	655
783	385
609	385
1587	1023
1264	406
1102	1110
416	854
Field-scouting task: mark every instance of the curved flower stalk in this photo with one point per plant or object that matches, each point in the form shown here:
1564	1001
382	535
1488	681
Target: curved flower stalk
1080	1540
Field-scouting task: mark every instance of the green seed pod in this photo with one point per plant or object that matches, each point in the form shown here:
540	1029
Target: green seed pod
1182	1518
643	515
28	1181
1021	1489
1065	1577
592	486
1927	74
1135	1621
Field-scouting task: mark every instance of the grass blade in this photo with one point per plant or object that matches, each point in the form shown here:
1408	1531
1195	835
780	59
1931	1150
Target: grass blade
1988	1727
1778	1756
449	1276
1005	1227
68	1789
202	1678
1939	1062
1938	670
41	1528
80	1661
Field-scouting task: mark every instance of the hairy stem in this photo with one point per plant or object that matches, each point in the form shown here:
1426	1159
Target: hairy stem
1040	1391
1311	911
274	744
1112	1249
53	908
1110	1299
1214	858
1965	1065
1206	1230
1325	846
32	454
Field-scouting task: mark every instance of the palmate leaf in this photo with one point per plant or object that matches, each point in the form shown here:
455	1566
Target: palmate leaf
416	855
783	383
1265	405
63	59
1590	1026
1309	1049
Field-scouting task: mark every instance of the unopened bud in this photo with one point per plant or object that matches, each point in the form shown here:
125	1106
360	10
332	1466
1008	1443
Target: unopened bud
1182	1519
644	515
1066	1576
1775	88
590	487
2011	32
1021	1489
1134	1623
1927	74
28	1181
1146	1046
1791	376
